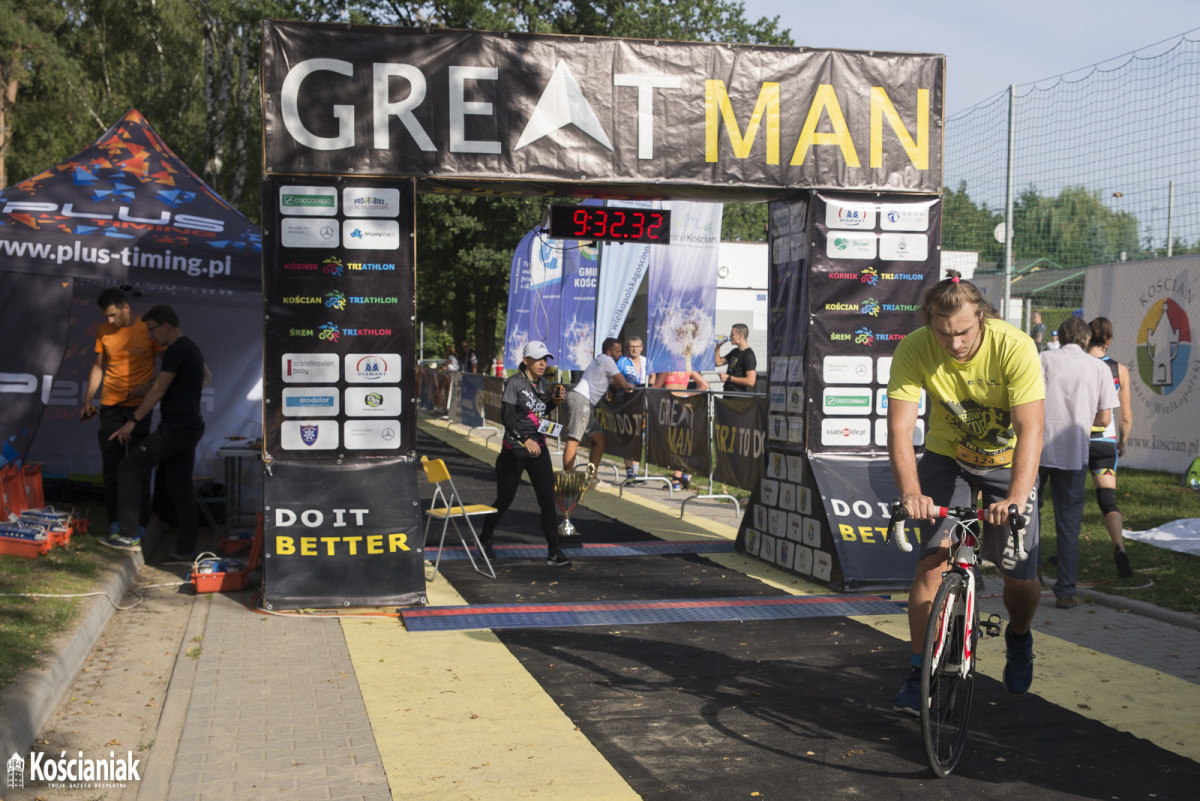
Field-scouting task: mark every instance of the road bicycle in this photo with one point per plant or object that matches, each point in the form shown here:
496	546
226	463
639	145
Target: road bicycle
948	666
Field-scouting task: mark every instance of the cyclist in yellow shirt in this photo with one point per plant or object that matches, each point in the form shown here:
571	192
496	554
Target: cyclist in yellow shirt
986	395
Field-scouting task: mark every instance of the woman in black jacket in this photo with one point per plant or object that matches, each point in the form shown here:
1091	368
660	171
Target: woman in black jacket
524	406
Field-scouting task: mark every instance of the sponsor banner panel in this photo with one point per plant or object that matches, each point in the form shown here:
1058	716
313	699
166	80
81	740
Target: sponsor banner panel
338	319
493	391
356	541
677	432
863	301
623	420
618	114
856	493
740	436
42	304
1155	313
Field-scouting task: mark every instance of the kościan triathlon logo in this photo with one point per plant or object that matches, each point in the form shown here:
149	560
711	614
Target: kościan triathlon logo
1164	347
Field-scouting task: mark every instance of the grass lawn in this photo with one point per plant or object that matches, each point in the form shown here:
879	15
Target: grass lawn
28	625
1161	577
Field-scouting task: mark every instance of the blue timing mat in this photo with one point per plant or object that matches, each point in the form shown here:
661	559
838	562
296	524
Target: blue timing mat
615	613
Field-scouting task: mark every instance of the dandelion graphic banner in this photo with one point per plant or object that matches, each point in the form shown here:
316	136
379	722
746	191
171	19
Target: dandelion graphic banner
682	291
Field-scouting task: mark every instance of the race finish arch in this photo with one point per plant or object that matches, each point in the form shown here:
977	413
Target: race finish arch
357	120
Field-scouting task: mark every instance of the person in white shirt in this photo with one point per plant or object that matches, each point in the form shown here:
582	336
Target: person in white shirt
1079	394
581	405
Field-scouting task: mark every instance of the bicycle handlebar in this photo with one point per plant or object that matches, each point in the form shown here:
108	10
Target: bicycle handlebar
1016	524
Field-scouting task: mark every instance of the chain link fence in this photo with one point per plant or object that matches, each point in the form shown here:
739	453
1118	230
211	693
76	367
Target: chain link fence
1105	168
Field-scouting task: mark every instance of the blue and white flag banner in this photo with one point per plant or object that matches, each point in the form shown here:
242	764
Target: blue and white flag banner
578	310
623	265
682	296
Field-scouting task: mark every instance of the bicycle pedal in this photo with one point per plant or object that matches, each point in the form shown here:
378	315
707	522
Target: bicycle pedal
992	626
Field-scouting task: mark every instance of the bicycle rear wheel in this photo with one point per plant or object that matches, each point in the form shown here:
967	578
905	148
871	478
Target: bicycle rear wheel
946	687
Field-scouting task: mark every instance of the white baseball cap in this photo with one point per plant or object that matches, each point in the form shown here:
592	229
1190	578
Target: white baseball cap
537	350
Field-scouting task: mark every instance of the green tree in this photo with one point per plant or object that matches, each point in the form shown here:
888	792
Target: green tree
1074	229
970	227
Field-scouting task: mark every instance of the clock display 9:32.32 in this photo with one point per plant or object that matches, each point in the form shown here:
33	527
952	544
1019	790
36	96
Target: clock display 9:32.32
611	223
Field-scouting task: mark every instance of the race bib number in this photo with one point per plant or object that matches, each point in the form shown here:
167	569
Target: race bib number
975	459
550	428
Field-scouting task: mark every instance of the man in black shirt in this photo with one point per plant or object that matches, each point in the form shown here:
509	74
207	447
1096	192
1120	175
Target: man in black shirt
742	372
173	445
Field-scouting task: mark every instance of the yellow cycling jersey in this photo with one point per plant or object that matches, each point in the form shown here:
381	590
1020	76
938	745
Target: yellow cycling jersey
970	402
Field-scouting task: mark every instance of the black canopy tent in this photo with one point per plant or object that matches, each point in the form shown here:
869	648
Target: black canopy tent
125	211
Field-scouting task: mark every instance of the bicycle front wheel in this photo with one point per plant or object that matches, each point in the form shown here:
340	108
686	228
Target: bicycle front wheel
947	676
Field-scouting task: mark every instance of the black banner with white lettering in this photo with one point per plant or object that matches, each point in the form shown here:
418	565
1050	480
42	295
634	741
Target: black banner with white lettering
338	293
625	115
739	433
622	419
856	493
677	432
39	308
347	538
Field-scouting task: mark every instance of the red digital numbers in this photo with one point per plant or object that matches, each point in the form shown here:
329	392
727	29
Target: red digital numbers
614	224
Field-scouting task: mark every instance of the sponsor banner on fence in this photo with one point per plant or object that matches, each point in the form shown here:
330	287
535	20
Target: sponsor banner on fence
471	400
353	541
677	432
622	114
493	391
740	435
622	419
1154	307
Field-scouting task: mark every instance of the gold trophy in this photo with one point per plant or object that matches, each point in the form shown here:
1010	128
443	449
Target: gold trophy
568	489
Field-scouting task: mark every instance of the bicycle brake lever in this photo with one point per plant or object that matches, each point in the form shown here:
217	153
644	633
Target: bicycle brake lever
1016	525
896	526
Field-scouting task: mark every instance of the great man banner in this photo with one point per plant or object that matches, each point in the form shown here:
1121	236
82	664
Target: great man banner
626	115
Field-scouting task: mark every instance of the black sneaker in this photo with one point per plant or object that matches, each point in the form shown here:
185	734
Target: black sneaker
1124	569
558	559
908	700
1018	669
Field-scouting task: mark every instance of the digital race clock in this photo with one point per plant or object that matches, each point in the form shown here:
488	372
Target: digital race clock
611	224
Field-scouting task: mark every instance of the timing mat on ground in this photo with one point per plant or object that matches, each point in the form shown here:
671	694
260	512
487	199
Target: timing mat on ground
538	551
615	613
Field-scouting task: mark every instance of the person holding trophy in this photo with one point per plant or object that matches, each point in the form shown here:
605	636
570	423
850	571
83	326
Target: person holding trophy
525	403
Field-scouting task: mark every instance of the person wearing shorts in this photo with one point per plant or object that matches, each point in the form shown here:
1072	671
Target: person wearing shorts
1107	444
986	399
581	403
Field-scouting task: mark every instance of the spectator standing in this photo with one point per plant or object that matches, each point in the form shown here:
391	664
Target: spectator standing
452	364
470	362
636	369
1053	344
524	405
680	381
123	370
172	446
741	367
1108	443
1037	330
581	405
1079	394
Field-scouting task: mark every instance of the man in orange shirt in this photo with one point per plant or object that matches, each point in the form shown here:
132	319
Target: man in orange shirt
125	360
